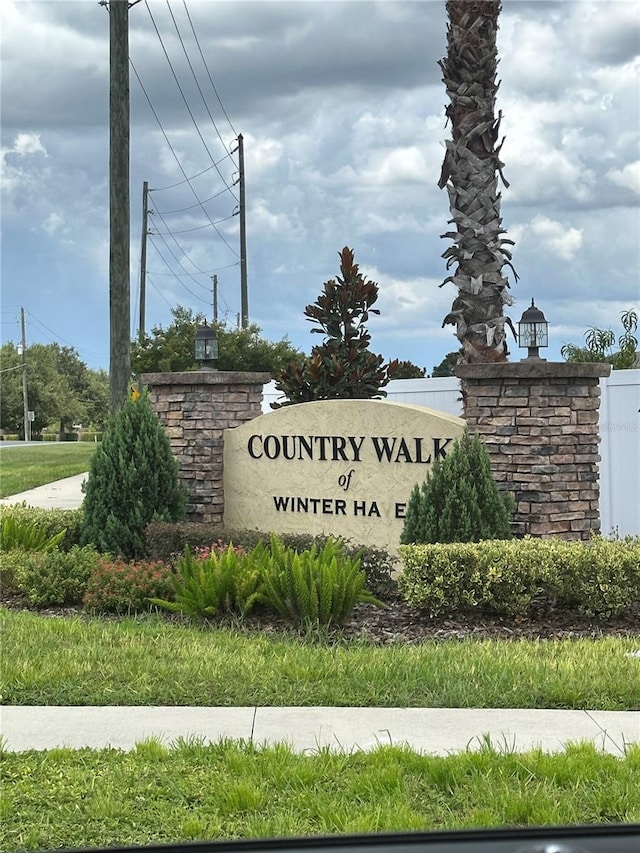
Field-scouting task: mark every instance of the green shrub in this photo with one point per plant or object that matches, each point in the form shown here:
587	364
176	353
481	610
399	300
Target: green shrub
229	581
50	521
90	436
601	578
116	586
530	577
319	586
459	501
165	539
11	564
133	479
55	577
28	536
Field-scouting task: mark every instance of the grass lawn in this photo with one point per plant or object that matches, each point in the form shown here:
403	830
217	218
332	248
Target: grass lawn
191	790
76	661
23	468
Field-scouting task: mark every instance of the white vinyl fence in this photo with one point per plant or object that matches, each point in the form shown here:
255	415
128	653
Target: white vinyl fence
619	437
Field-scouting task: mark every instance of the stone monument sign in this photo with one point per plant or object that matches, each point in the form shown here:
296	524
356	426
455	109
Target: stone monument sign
341	467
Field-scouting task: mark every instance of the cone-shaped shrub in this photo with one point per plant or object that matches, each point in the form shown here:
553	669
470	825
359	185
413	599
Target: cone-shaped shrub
133	479
459	501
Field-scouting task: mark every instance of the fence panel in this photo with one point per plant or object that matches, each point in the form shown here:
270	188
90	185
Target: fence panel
619	437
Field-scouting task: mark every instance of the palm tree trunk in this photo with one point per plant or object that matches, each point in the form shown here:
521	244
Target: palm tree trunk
470	173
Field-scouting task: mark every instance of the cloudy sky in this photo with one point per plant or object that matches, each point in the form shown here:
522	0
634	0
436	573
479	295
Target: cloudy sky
341	106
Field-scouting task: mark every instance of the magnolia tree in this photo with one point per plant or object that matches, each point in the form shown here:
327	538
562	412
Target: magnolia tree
342	366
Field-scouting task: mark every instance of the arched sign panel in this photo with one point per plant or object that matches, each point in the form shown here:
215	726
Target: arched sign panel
341	467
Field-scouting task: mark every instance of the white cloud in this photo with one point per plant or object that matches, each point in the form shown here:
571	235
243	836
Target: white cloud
559	238
53	223
28	143
628	176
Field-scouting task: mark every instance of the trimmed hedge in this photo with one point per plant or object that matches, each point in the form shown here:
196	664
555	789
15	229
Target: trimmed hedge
528	577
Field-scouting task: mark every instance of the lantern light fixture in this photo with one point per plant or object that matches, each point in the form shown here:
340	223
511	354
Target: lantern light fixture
206	346
533	332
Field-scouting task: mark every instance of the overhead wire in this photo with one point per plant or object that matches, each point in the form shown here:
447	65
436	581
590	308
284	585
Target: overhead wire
186	179
169	233
196	228
184	97
179	275
182	284
195	78
191	206
177	159
175	257
204	62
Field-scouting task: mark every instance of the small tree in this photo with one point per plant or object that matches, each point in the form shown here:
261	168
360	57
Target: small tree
133	479
341	367
407	370
599	344
171	349
459	501
447	365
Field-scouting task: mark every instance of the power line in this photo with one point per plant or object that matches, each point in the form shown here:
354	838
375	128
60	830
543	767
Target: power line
204	62
164	260
196	228
209	273
195	78
169	233
177	159
191	206
184	98
158	291
195	295
186	180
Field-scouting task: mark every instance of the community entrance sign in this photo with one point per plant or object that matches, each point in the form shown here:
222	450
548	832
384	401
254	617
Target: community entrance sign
341	467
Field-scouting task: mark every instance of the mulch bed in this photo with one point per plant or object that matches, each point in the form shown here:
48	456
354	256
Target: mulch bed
397	623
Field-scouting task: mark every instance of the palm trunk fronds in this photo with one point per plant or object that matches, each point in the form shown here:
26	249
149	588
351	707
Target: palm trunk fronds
470	173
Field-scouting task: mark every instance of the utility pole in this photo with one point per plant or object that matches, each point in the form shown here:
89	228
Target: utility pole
25	395
119	213
143	258
244	299
214	281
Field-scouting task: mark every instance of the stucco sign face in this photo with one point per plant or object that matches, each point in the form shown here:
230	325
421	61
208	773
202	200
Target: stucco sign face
341	467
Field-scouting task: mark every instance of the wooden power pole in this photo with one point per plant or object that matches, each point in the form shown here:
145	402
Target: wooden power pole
244	298
119	213
214	282
143	259
25	393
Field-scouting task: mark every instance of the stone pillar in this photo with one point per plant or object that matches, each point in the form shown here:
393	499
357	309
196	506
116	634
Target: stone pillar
195	407
539	421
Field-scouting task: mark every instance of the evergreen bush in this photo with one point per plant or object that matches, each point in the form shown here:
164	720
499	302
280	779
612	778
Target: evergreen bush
459	501
133	479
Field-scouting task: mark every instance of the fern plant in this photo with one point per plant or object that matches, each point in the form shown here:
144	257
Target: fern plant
28	536
223	582
319	586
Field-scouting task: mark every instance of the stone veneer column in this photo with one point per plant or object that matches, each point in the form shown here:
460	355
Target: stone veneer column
539	421
194	408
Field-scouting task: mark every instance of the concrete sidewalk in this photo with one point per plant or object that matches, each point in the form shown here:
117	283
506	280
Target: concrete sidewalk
62	494
437	731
